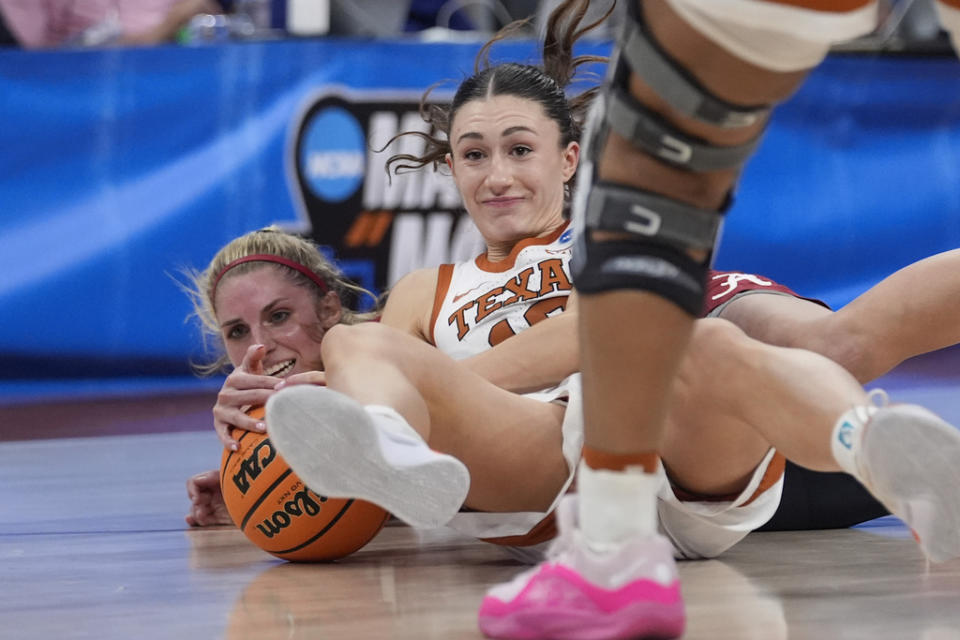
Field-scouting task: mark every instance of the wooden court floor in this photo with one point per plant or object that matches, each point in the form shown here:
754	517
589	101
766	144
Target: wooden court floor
93	545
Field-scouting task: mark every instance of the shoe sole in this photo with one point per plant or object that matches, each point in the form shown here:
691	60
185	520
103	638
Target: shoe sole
333	445
912	465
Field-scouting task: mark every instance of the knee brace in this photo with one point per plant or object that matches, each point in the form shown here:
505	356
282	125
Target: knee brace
639	53
654	232
652	255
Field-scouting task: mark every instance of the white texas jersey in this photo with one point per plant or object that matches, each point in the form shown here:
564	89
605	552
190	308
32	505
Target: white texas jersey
479	304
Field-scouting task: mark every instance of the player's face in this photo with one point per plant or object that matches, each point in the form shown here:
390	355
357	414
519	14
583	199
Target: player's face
264	307
509	167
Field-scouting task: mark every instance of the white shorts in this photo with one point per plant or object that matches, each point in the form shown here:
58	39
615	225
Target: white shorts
707	529
696	529
702	529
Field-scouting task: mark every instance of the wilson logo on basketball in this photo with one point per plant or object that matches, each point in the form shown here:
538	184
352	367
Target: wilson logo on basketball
304	502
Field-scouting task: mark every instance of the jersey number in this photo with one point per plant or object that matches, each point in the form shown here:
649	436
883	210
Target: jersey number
537	312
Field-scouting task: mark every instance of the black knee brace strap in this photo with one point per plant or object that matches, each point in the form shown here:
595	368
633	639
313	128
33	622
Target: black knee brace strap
654	257
639	265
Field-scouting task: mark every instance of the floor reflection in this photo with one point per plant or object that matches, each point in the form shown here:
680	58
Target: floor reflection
723	603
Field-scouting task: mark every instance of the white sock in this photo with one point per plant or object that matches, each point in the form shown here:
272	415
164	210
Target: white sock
400	443
389	419
616	505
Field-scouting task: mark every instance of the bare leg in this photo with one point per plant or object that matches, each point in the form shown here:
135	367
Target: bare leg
510	444
736	397
913	311
617	419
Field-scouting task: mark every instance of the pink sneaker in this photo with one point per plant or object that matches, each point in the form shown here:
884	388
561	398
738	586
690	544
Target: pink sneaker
579	594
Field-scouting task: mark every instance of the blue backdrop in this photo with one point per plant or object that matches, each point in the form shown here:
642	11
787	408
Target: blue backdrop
120	167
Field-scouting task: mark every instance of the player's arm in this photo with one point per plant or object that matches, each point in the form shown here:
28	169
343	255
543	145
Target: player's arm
410	303
910	312
538	357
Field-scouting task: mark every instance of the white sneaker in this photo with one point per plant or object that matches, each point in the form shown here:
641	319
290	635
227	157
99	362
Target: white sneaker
909	459
579	594
342	449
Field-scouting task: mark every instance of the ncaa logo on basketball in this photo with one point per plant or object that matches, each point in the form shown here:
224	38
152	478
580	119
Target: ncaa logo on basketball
332	154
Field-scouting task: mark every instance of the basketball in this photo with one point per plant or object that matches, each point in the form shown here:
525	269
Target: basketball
281	515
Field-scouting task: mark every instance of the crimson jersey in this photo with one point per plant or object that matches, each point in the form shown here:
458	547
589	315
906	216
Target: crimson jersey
724	286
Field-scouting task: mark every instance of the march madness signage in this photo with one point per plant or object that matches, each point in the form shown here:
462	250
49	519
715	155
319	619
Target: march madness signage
380	227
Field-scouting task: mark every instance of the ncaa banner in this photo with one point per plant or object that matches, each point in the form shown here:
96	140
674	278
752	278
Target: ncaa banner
384	226
121	167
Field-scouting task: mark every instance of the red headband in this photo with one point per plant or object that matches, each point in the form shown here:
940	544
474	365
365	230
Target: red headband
266	257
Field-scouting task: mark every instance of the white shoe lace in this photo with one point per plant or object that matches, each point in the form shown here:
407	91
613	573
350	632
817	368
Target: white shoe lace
876	399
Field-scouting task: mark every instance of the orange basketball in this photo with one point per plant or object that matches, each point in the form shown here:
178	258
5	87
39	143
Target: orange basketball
279	514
